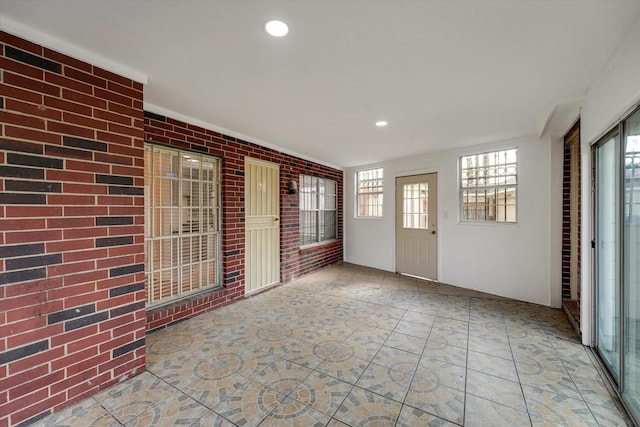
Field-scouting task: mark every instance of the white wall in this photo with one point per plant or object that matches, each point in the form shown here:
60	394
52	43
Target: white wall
607	102
513	260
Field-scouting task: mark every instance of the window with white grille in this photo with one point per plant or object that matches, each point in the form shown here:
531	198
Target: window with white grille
369	186
318	209
182	233
488	186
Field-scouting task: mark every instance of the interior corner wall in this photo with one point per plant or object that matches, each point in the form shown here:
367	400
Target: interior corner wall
294	261
72	315
614	94
511	260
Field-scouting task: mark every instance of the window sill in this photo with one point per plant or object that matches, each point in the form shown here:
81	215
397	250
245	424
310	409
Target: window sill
369	218
319	244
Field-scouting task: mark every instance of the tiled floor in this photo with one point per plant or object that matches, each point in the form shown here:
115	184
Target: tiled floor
353	346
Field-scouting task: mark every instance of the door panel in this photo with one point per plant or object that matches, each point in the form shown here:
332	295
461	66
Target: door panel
631	290
416	225
262	224
608	252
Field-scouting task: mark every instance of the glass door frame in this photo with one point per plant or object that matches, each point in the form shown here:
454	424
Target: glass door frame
618	380
616	377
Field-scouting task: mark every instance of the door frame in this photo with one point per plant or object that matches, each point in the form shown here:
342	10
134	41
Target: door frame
404	174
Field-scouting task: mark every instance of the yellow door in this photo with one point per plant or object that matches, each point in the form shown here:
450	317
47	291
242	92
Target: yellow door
262	224
416	225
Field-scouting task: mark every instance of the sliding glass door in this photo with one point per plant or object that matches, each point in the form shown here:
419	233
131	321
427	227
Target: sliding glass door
617	244
608	251
631	289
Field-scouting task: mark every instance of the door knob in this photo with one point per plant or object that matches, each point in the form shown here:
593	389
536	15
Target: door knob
433	232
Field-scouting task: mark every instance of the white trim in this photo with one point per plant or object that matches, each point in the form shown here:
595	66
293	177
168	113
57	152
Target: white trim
587	308
207	125
69	49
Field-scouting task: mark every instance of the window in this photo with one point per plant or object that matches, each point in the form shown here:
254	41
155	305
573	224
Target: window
369	193
415	205
488	186
182	237
318	214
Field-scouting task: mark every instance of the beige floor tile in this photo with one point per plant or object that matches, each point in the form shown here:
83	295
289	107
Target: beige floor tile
418	318
551	409
399	360
385	381
486	413
86	413
492	365
446	353
439	400
412	356
210	391
282	376
493	348
377	335
363	349
362	407
413	417
211	419
322	392
414	329
336	423
609	416
407	343
177	409
549	380
456	339
538	361
499	390
249	405
443	373
145	394
291	413
593	391
348	370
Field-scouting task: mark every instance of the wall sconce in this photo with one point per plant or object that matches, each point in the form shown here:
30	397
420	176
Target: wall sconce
292	186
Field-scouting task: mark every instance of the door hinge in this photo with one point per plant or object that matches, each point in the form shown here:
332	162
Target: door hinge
593	244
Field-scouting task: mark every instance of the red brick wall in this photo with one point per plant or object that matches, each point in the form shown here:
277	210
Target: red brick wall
72	297
294	261
567	247
72	315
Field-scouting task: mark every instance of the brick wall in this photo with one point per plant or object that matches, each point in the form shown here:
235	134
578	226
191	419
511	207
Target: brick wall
72	316
567	246
566	222
72	297
295	262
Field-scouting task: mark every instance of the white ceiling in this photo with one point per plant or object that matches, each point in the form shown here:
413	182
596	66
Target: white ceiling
444	74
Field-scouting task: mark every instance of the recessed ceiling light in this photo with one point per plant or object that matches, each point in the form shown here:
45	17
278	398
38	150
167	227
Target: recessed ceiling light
276	28
381	123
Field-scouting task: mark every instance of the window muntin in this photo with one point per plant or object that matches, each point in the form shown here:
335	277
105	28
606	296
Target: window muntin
415	206
182	233
369	188
488	186
318	209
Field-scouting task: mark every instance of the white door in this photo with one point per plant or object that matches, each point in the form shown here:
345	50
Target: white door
262	224
417	225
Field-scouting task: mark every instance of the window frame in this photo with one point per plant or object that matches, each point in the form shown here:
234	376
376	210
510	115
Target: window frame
496	187
317	210
184	211
358	193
